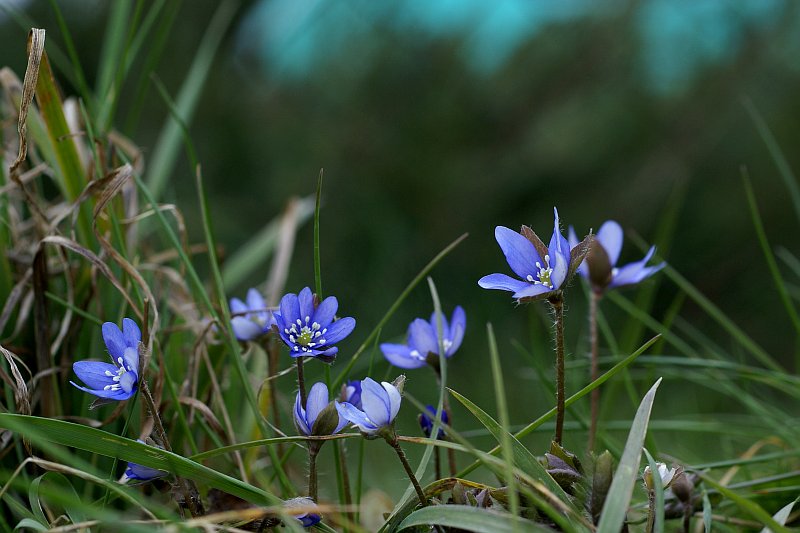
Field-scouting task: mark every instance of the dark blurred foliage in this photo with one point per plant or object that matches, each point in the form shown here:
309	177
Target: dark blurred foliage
418	147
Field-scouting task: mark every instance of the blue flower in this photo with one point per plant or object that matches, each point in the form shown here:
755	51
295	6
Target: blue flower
306	519
143	473
307	328
600	267
351	392
426	421
252	319
423	340
544	270
116	381
318	417
380	404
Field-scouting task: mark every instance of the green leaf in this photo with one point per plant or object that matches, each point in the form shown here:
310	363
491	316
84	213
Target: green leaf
621	491
707	512
523	458
658	487
29	523
469	519
104	443
782	515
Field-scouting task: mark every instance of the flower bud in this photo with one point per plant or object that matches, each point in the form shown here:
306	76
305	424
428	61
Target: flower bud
601	482
682	487
599	265
667	476
327	421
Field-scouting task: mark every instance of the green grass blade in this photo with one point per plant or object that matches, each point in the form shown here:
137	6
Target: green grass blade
505	439
521	456
751	508
469	519
168	145
527	430
111	445
619	494
789	179
707	512
659	489
317	259
782	515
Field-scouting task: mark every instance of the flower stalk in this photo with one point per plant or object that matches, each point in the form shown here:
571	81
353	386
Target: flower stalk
557	303
391	438
301	383
313	451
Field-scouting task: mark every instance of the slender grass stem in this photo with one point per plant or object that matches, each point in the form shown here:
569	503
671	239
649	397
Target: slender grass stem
393	442
557	304
651	511
594	300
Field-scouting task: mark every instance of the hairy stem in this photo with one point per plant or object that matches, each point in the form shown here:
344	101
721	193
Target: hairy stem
595	365
348	500
313	450
392	440
301	383
558	318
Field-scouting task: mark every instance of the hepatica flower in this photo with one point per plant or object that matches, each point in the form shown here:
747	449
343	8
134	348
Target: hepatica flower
143	473
307	519
423	340
426	421
351	393
116	381
251	319
543	270
309	329
380	404
600	267
318	417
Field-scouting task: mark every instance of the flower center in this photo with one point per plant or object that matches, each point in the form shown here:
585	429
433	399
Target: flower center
543	275
305	336
123	379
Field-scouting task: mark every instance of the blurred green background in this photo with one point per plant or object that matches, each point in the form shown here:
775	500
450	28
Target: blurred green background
435	118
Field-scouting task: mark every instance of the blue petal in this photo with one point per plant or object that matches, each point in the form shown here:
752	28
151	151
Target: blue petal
128	382
300	417
502	282
559	254
635	272
115	341
394	399
131	333
400	356
238	307
520	253
290	309
326	311
317	401
375	402
111	395
93	373
356	416
131	358
583	270
422	337
143	473
610	237
458	324
445	325
244	329
306	300
255	302
531	290
339	330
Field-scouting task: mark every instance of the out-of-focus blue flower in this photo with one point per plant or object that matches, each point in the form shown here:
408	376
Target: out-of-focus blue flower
423	340
314	419
116	381
307	519
379	406
252	318
600	266
309	329
426	421
542	269
143	473
351	393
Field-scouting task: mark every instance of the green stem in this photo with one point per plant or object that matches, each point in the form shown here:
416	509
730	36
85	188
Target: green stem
558	311
301	382
313	450
651	511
